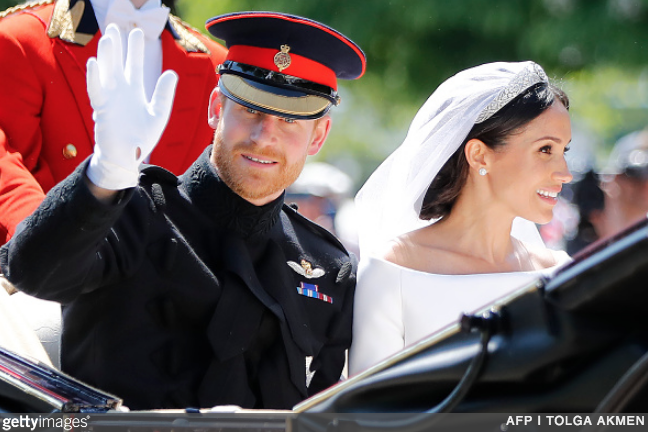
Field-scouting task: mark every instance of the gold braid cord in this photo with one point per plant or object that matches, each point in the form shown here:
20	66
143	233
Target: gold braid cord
187	39
65	21
22	7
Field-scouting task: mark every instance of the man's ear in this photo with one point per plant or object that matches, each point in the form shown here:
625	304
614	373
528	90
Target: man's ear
320	132
215	107
475	152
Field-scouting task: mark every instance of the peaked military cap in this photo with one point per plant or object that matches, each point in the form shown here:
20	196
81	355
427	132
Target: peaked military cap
282	64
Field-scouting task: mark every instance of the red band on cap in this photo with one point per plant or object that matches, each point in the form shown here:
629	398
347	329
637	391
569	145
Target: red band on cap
300	67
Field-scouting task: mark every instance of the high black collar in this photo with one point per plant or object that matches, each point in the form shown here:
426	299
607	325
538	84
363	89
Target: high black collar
228	210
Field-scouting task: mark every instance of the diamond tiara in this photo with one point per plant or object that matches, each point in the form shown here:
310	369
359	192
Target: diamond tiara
522	81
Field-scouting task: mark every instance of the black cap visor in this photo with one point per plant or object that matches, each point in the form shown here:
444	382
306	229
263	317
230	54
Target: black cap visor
273	100
275	93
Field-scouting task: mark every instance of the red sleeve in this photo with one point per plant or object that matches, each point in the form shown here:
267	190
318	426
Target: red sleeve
20	193
21	99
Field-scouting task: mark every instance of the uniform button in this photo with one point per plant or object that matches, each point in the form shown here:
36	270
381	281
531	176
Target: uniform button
69	151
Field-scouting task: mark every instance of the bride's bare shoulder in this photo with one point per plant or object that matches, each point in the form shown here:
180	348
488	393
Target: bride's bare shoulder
412	250
398	250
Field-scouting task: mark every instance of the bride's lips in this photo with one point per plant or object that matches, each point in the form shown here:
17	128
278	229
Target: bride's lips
549	196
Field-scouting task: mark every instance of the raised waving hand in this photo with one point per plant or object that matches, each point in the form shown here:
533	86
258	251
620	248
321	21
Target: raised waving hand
127	125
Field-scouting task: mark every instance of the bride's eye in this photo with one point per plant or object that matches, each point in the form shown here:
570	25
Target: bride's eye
545	149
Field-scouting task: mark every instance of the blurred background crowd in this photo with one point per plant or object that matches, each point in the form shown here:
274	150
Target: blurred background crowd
596	50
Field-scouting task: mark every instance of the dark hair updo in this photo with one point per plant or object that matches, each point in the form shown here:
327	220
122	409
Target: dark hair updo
448	183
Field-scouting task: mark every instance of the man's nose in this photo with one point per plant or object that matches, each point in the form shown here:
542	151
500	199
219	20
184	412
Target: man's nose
265	130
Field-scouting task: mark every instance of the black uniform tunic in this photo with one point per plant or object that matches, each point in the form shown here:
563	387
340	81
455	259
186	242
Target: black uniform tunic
184	294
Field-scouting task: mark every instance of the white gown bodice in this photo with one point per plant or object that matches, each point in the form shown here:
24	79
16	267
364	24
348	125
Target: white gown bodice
396	306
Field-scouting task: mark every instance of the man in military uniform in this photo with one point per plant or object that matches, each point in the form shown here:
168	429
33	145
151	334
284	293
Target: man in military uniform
46	126
203	289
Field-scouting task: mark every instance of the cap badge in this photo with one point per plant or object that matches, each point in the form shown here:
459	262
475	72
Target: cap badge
306	269
282	59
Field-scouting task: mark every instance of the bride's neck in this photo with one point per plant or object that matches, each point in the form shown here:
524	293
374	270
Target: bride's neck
480	230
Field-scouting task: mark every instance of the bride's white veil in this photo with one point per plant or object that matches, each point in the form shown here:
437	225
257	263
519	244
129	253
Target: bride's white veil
389	203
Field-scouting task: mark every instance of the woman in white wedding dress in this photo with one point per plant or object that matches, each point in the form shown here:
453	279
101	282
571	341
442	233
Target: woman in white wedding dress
448	220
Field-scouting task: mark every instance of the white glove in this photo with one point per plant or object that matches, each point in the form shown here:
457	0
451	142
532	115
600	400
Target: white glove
127	126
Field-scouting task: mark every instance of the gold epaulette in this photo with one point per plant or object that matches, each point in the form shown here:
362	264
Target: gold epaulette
187	39
65	21
22	7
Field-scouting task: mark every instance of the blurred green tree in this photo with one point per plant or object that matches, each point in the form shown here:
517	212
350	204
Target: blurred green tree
5	4
597	49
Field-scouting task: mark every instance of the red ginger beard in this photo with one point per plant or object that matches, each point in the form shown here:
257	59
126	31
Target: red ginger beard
252	184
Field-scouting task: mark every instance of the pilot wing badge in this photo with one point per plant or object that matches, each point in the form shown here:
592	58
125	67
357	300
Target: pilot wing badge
306	269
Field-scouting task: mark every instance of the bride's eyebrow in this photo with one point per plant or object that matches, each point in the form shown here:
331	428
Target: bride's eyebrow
550	138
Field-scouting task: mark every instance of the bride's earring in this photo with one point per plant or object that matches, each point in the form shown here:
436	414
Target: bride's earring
482	171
